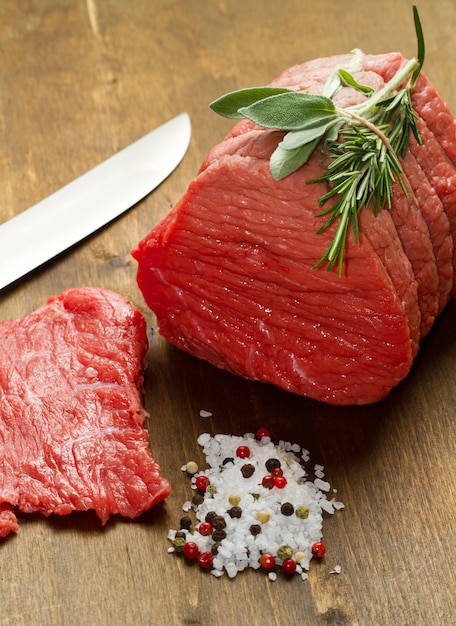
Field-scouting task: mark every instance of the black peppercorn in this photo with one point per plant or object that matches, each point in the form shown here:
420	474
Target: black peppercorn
185	522
235	511
218	522
210	516
180	534
215	548
197	499
255	529
227	460
272	464
218	535
247	470
287	509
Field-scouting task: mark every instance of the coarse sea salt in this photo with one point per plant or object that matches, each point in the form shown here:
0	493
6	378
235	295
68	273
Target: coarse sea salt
249	516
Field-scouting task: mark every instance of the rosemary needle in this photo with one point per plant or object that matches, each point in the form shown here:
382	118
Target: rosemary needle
365	141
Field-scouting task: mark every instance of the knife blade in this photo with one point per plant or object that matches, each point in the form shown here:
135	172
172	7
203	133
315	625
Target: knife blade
86	204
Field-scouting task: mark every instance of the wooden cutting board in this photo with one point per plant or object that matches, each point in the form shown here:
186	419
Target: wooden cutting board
80	80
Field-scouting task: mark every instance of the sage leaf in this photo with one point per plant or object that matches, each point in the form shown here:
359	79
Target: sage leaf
333	133
350	81
229	104
295	138
285	162
289	111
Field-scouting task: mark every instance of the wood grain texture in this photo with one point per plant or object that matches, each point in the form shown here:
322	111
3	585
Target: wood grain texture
80	79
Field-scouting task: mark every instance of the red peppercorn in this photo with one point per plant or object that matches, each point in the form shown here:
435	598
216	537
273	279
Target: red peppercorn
202	483
263	432
280	482
191	550
318	549
243	452
268	481
206	559
205	529
289	566
277	471
267	561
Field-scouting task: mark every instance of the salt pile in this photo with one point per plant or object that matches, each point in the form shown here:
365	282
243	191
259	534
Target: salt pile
255	506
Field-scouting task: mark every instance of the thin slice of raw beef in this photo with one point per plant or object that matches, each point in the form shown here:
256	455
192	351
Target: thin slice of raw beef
438	224
72	435
441	174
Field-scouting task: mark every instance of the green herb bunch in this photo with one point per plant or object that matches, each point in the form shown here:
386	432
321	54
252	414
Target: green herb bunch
364	141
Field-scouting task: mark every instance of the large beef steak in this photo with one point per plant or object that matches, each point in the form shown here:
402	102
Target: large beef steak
229	271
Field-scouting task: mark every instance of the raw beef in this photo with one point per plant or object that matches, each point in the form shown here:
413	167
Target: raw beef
441	174
228	272
410	219
437	153
72	433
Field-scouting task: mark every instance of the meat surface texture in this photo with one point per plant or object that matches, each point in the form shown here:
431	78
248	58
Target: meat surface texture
72	435
229	272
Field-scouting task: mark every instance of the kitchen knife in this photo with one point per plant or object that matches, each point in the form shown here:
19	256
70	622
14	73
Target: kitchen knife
41	232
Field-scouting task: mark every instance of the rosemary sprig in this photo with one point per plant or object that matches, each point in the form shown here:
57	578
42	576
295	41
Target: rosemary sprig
365	141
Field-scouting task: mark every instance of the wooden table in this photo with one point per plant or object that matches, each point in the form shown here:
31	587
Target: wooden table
80	80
